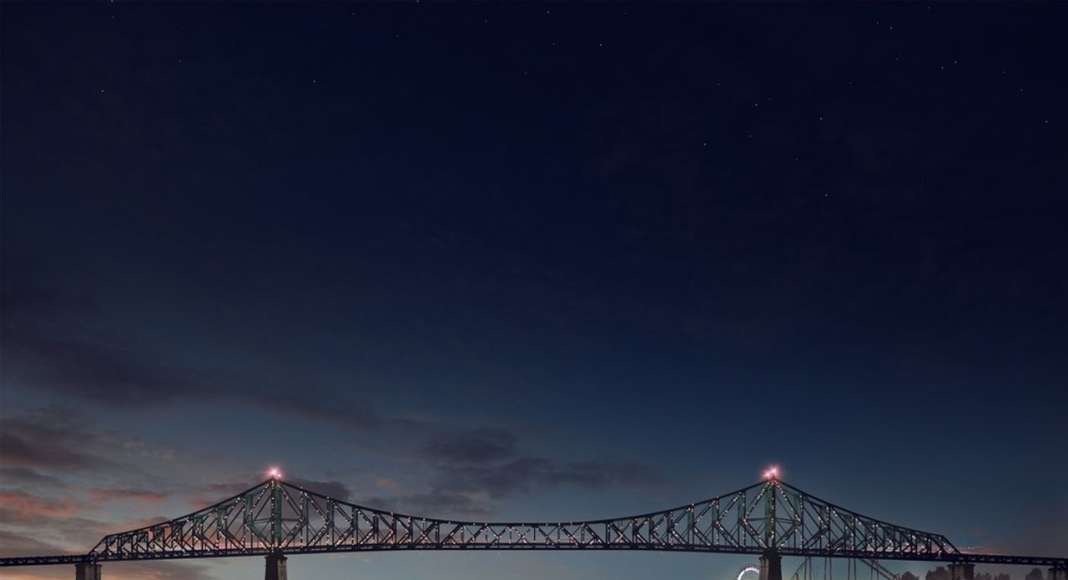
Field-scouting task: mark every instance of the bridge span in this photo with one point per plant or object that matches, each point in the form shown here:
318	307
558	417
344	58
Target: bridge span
769	519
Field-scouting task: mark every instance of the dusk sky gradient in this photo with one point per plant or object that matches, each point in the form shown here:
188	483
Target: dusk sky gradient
532	262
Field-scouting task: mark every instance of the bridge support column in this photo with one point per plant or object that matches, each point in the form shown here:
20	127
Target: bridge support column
87	571
276	567
962	572
771	565
1058	574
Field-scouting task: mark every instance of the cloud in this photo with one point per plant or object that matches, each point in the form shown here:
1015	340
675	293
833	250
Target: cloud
24	476
1042	534
471	468
44	453
106	494
94	370
224	490
489	461
45	439
13	544
352	416
47	345
386	483
125	526
476	446
334	489
55	522
50	347
436	503
213	493
47	447
47	526
22	507
524	474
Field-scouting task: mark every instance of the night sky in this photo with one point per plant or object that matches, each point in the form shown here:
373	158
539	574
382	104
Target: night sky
534	261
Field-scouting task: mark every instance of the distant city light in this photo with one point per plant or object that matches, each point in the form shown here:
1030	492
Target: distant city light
772	472
274	473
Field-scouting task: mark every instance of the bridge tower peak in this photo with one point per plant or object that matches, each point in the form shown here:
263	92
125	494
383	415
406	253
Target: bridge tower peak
277	503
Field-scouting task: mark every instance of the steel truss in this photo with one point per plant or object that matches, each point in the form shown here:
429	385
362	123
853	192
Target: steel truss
770	516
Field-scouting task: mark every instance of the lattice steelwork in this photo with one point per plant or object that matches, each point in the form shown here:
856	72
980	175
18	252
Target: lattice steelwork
770	516
280	516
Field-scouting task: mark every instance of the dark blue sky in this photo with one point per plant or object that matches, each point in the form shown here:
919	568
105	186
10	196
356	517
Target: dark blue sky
533	261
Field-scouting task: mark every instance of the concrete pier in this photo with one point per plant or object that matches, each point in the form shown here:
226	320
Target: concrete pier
771	566
962	571
276	567
1058	574
87	571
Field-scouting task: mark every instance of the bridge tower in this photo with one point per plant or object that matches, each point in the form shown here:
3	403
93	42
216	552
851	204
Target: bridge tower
771	565
276	560
87	571
771	559
277	502
276	567
961	571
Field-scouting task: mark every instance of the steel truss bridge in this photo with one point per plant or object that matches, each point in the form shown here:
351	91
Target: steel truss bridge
768	519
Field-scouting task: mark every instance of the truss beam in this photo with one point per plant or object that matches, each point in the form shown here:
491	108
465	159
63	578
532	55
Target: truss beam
766	518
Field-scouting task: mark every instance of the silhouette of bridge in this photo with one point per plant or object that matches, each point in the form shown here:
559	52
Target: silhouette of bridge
768	519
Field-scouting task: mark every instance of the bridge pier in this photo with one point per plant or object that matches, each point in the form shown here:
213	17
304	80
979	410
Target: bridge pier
1058	574
276	567
87	571
960	571
771	565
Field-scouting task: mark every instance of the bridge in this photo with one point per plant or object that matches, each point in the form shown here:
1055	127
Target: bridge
769	519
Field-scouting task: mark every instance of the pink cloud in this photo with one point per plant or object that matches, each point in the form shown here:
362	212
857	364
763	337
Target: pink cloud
21	507
106	494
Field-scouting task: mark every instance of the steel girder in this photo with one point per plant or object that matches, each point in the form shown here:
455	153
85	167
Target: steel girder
770	516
